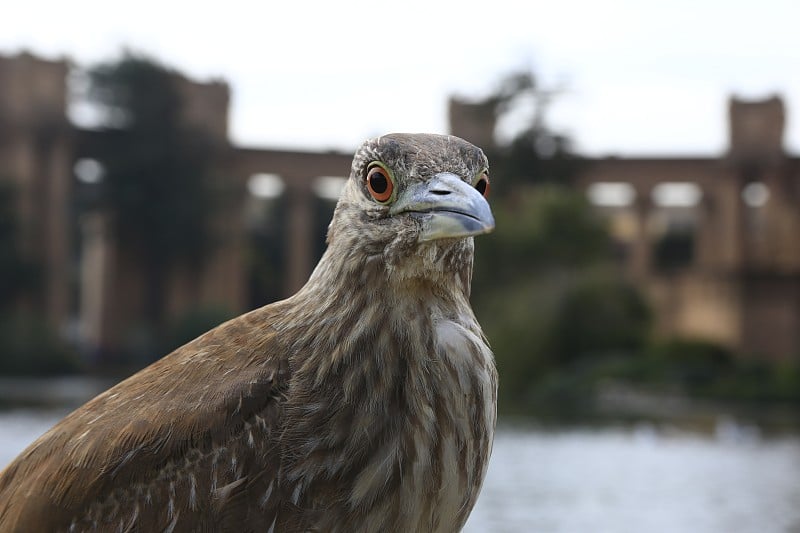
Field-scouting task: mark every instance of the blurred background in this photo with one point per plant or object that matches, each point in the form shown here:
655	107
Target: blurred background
164	167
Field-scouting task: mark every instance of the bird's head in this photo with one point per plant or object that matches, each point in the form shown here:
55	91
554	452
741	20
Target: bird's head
412	204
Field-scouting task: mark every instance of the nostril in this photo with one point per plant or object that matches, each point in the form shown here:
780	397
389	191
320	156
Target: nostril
440	192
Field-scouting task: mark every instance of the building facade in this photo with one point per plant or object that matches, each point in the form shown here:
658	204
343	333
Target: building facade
712	241
737	217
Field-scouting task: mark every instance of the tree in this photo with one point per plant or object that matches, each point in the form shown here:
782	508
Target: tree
545	289
29	346
18	275
157	185
535	153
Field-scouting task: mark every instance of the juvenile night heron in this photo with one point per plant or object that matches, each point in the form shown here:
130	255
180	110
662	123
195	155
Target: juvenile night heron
365	402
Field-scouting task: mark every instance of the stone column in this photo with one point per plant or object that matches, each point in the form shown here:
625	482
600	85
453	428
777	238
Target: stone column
96	257
641	247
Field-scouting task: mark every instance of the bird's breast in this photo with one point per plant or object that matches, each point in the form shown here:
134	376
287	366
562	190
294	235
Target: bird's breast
412	453
471	382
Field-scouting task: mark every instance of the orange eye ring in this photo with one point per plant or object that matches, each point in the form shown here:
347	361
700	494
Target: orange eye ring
380	183
482	184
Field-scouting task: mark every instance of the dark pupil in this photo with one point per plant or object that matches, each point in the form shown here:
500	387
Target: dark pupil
378	183
481	186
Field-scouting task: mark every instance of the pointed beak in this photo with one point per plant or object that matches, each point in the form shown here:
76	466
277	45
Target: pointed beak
447	208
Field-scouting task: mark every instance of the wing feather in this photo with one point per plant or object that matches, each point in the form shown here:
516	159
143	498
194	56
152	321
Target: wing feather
193	425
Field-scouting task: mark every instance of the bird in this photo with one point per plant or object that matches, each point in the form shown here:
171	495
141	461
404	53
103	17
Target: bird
365	402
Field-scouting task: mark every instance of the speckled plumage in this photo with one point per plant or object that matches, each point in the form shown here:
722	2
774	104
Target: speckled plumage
365	402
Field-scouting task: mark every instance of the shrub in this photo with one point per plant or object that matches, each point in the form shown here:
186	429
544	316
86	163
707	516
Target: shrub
194	323
30	348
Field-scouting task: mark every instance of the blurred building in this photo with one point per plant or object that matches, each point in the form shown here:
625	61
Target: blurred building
711	240
36	157
109	280
93	287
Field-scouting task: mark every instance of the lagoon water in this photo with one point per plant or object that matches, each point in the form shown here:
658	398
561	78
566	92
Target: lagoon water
615	480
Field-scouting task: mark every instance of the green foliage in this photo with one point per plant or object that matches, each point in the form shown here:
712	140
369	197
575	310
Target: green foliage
549	332
705	369
688	365
158	185
30	348
157	178
545	228
517	320
536	154
547	297
194	323
561	318
142	345
694	368
693	362
544	288
601	314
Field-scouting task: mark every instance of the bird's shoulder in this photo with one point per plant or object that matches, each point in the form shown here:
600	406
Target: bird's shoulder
194	400
462	336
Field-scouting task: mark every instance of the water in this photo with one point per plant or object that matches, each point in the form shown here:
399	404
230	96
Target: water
621	480
611	480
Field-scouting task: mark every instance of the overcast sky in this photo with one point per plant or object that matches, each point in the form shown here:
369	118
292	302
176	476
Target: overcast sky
640	77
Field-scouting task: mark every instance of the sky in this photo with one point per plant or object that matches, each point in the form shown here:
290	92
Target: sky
634	77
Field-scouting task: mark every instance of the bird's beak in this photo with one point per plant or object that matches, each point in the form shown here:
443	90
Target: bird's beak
447	207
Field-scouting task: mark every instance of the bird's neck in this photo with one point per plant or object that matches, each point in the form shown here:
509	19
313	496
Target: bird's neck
378	364
439	269
353	297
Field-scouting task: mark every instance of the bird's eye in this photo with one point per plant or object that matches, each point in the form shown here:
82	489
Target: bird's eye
482	184
379	183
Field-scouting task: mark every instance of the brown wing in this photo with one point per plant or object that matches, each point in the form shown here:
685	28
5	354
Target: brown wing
185	442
